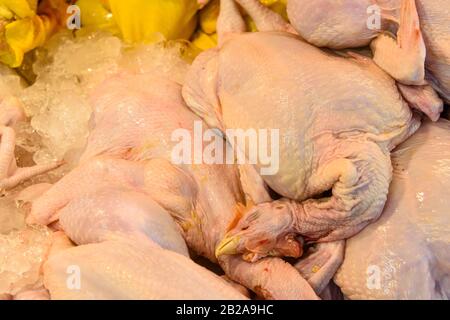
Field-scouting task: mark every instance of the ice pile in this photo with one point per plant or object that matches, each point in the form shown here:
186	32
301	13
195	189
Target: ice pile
11	216
10	82
21	255
67	68
22	249
168	59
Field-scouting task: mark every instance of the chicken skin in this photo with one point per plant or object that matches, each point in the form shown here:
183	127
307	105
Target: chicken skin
405	254
422	27
131	148
333	134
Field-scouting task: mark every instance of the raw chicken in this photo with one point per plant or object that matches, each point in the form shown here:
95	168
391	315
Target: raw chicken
131	148
338	119
112	213
38	294
406	254
114	262
407	68
345	24
57	102
320	263
132	270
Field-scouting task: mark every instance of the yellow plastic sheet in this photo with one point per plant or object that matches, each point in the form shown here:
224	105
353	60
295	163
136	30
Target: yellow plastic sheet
96	13
204	41
208	17
142	21
18	8
24	26
22	29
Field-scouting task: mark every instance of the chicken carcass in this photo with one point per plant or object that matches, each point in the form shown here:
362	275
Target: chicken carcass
130	270
112	213
131	148
114	262
347	24
406	253
338	119
38	294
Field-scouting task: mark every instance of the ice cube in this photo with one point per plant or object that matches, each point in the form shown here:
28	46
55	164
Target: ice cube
67	68
22	253
165	58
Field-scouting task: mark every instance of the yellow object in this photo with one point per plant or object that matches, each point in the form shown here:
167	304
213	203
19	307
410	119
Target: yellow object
146	20
315	269
96	13
279	7
19	8
22	36
208	17
204	41
141	21
22	29
227	246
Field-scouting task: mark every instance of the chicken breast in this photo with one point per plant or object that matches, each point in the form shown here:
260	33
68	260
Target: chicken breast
406	253
130	270
337	118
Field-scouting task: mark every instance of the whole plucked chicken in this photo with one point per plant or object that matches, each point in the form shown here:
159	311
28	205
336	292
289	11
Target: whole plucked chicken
131	148
405	254
338	119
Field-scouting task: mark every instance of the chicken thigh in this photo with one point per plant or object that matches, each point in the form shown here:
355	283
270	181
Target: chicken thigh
406	254
112	213
337	118
348	24
130	148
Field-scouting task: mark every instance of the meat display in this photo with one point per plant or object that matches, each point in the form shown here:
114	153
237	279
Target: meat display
247	149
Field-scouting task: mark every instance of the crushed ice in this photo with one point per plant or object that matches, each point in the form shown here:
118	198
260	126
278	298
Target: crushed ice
63	72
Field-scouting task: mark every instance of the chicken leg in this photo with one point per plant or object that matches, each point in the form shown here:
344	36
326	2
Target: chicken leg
10	174
403	59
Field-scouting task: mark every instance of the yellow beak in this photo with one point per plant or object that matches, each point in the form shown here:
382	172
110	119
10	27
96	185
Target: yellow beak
228	245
